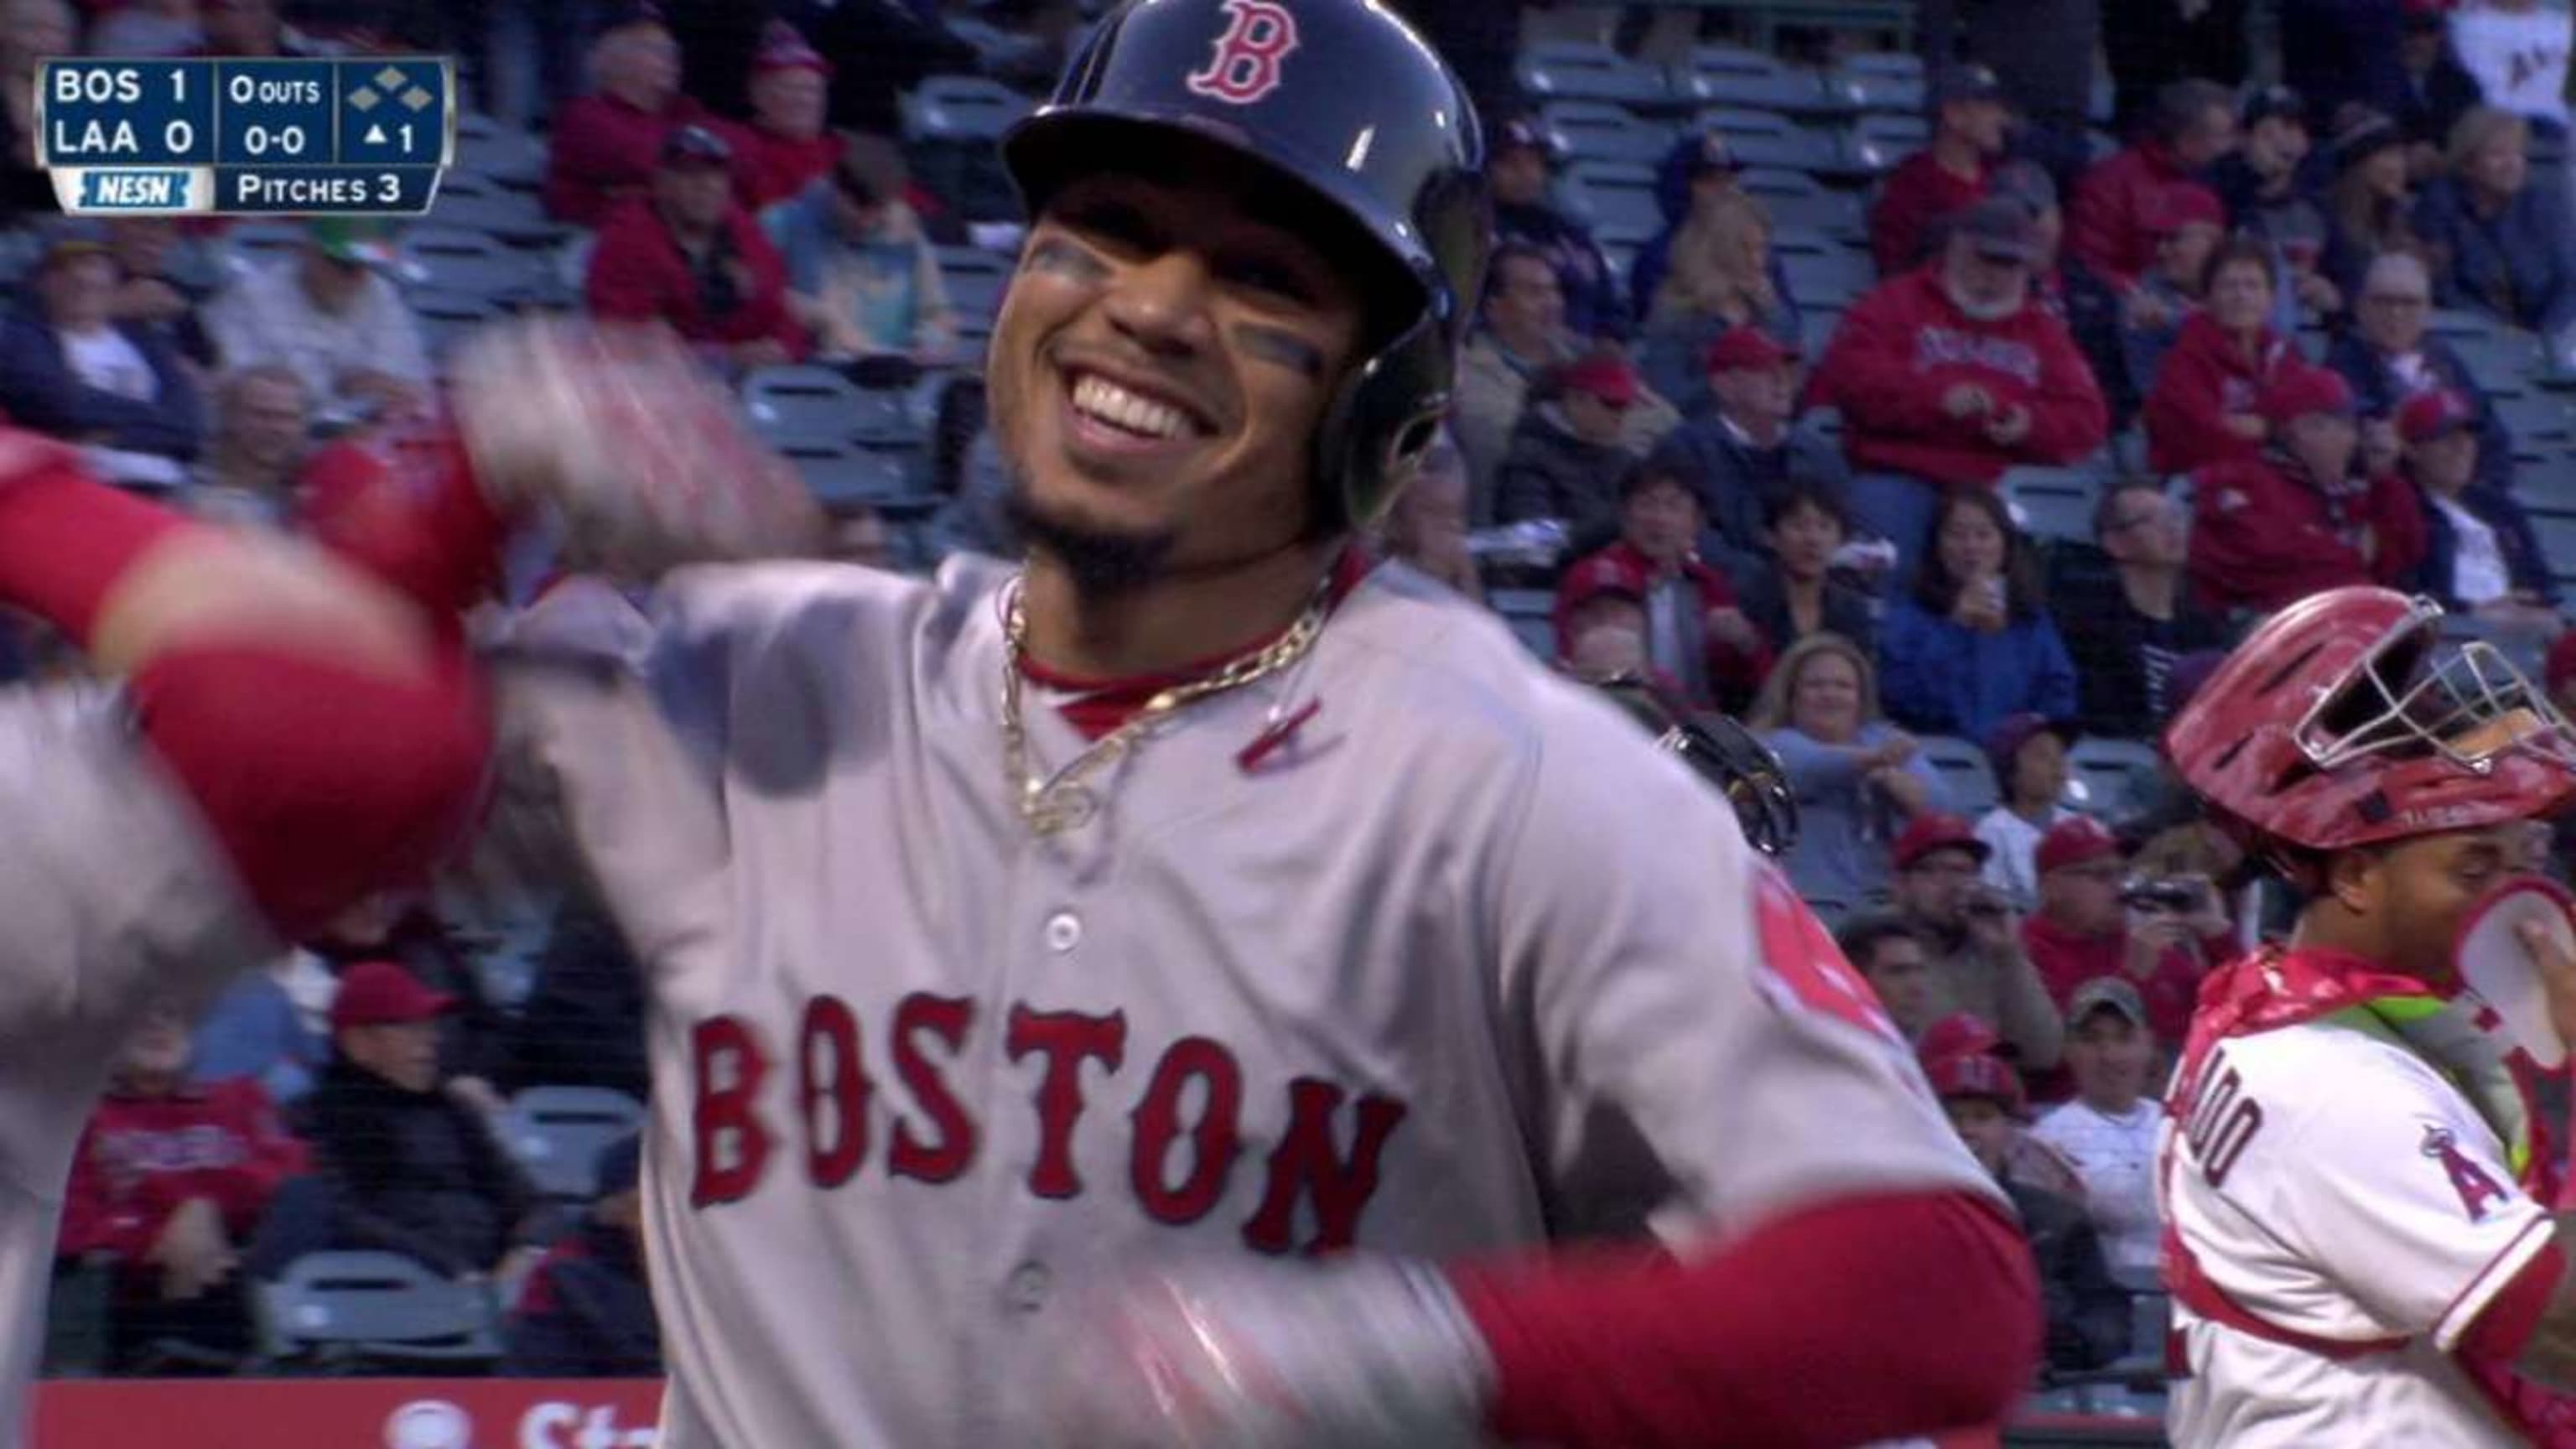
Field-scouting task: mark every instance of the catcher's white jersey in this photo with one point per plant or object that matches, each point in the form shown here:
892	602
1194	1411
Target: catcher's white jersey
114	897
2333	1185
1462	964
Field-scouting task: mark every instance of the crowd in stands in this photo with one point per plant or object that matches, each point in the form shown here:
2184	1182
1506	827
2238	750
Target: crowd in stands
1662	460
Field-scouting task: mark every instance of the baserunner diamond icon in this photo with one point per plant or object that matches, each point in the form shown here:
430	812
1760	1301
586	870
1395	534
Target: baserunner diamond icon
364	99
415	98
389	77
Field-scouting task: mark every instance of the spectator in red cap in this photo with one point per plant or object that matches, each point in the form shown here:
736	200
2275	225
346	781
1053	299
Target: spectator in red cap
1971	641
2088	1315
1975	937
1971	122
2028	753
2160	937
607	144
2188	223
2109	1129
406	1167
2201	409
1520	334
1570	449
1741	456
1860	781
1695	633
2123	612
1601	630
170	1177
1949	375
2300	518
2109	225
691	257
2480	554
784	147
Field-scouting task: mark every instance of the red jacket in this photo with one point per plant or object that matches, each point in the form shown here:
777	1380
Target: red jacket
2066	960
1919	192
769	168
605	151
1904	345
140	1158
2106	227
2264	535
2203	379
638	273
1735	673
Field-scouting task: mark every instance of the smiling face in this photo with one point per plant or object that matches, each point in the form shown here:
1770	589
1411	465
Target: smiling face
1660	518
1162	363
789	102
1824	700
1804	541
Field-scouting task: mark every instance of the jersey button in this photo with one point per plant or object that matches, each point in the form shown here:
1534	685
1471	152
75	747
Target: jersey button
1063	932
1027	1290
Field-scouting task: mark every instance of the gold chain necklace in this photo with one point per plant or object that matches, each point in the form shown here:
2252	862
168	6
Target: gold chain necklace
1065	799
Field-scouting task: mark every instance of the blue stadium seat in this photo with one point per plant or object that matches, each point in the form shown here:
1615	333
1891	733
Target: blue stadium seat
841	473
1617	199
2539	422
1967	776
975	279
1816	324
251	245
961	108
2503	361
1833	277
499	154
1731	75
1767	138
1799	199
2557	532
1880	81
800	403
2052	504
446	317
1529	612
515	217
457	259
375	1306
1572	70
1875	143
2108	776
556	1134
1603	131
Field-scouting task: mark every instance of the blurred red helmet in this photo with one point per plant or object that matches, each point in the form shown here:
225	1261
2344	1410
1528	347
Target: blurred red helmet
2346	720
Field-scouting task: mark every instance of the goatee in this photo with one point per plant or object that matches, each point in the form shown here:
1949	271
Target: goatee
1103	563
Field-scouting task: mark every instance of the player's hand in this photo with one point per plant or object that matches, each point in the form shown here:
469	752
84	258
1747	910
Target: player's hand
1237	1355
2557	972
640	454
1993	925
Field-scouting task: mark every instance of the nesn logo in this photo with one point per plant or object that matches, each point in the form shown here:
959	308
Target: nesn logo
134	190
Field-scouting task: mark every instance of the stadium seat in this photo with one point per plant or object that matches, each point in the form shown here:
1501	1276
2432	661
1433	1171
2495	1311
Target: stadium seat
2452	324
1767	138
556	1134
2052	504
446	317
1967	777
841	474
2557	532
2539	422
511	159
1816	324
1831	911
1880	81
1875	143
1799	199
2106	775
252	245
807	403
975	279
1601	131
1572	70
1731	75
1833	278
515	217
454	259
1530	613
374	1306
2520	647
1617	199
2504	363
961	108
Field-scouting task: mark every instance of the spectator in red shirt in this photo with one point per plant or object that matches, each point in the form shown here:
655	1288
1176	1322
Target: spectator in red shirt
2300	517
784	148
691	257
2160	937
1970	123
1696	635
2201	409
168	1178
606	143
1950	374
2107	226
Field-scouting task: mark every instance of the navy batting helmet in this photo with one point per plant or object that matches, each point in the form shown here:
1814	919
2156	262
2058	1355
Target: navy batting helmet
1337	97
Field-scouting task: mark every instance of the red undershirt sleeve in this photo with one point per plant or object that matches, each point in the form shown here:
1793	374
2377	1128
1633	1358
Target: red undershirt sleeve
1848	1321
2509	1319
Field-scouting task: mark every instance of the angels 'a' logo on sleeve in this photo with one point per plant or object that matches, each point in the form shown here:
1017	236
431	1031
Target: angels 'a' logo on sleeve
1802	967
2476	1186
1245	68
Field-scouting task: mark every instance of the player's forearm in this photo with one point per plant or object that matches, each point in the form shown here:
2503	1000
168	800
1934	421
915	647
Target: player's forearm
1851	1321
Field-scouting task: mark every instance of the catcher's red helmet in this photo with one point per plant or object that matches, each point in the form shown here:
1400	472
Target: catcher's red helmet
2346	720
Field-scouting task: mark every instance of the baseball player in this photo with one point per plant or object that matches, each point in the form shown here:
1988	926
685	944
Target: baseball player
1176	990
288	734
2358	1246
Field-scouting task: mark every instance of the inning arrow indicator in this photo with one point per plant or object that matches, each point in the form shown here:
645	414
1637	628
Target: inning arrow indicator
375	135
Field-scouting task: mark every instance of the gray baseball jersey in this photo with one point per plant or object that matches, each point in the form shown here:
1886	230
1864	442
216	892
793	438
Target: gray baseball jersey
1463	964
113	896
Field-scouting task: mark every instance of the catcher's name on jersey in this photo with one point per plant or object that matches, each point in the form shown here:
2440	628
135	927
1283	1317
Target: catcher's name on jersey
2357	1215
1183	1113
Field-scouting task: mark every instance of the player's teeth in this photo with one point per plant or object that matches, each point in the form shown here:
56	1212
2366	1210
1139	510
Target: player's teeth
1109	402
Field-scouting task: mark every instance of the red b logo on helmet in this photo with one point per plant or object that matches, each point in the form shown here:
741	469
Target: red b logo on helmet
1246	64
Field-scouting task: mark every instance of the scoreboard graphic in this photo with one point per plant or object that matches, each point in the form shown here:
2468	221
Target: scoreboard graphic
351	134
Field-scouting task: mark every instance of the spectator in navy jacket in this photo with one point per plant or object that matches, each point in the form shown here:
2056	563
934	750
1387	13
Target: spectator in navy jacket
1797	595
69	368
1742	457
2389	357
2439	90
2480	555
2264	184
2500	245
1973	642
1519	168
586	1311
2123	609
